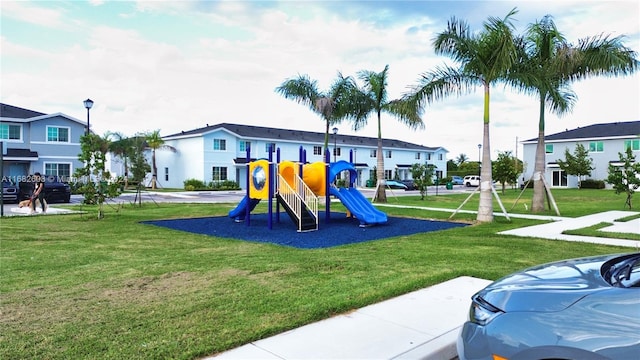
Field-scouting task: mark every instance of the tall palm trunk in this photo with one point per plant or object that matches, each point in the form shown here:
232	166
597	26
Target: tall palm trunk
485	207
537	202
381	194
154	176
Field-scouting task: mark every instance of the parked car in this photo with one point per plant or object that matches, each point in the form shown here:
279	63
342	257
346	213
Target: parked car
392	184
586	308
471	180
410	184
9	191
55	190
457	180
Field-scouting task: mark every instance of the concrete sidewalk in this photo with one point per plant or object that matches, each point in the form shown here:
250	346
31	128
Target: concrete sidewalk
553	230
423	324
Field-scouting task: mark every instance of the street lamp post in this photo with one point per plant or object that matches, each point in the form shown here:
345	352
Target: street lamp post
88	104
479	159
335	136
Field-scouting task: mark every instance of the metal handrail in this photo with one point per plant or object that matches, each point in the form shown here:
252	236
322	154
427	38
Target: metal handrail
294	198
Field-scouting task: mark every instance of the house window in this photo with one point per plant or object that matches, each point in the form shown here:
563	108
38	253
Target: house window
219	173
559	178
548	148
57	134
220	144
336	151
270	145
428	156
166	174
62	171
388	174
440	157
417	156
373	153
244	145
387	154
10	132
317	150
596	146
633	144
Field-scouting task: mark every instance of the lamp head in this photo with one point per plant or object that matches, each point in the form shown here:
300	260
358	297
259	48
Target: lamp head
88	104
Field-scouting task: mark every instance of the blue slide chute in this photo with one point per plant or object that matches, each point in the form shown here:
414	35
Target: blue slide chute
340	166
240	211
353	199
359	206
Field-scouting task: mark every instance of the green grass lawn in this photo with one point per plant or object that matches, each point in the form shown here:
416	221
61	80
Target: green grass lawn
74	287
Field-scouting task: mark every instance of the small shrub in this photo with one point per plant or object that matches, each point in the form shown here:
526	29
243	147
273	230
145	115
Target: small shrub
592	184
194	184
224	185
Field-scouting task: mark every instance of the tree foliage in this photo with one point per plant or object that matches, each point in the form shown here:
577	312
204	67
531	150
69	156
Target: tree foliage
506	168
155	142
579	163
625	178
422	175
546	67
485	59
461	159
372	98
333	105
97	187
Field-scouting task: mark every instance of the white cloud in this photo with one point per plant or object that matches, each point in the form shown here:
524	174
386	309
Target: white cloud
228	71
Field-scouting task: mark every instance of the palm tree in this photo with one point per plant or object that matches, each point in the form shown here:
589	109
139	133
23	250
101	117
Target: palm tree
155	142
121	147
548	64
372	98
461	159
485	59
330	105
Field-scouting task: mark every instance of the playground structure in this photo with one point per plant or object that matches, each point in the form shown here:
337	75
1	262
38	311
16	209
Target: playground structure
298	186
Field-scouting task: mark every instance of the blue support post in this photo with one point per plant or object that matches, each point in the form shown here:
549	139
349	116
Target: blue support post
277	202
247	213
327	211
270	191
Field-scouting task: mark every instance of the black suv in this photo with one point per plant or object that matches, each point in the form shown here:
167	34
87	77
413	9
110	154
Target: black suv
54	190
9	191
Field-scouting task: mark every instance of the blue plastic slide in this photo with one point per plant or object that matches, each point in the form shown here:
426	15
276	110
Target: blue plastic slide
239	212
359	206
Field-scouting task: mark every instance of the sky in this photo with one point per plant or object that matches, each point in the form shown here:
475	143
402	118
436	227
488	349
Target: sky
180	65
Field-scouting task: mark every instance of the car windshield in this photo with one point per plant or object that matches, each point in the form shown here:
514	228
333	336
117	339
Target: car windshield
623	271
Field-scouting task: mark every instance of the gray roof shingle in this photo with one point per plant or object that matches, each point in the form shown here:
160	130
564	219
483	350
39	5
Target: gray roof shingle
608	130
14	112
259	132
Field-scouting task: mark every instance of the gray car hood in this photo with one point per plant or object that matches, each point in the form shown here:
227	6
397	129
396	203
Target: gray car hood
548	287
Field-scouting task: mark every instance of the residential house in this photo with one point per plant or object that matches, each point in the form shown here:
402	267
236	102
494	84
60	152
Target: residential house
604	142
219	152
36	142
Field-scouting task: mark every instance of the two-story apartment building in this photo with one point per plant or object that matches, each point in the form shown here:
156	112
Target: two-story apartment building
36	142
604	142
218	152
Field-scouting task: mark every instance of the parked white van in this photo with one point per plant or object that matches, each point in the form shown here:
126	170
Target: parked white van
471	180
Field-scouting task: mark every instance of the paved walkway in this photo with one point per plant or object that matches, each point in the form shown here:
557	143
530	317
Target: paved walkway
553	230
423	324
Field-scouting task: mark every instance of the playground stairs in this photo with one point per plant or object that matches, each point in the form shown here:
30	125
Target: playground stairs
300	203
306	221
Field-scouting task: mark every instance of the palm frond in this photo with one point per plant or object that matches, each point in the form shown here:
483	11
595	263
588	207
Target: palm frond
301	89
441	83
